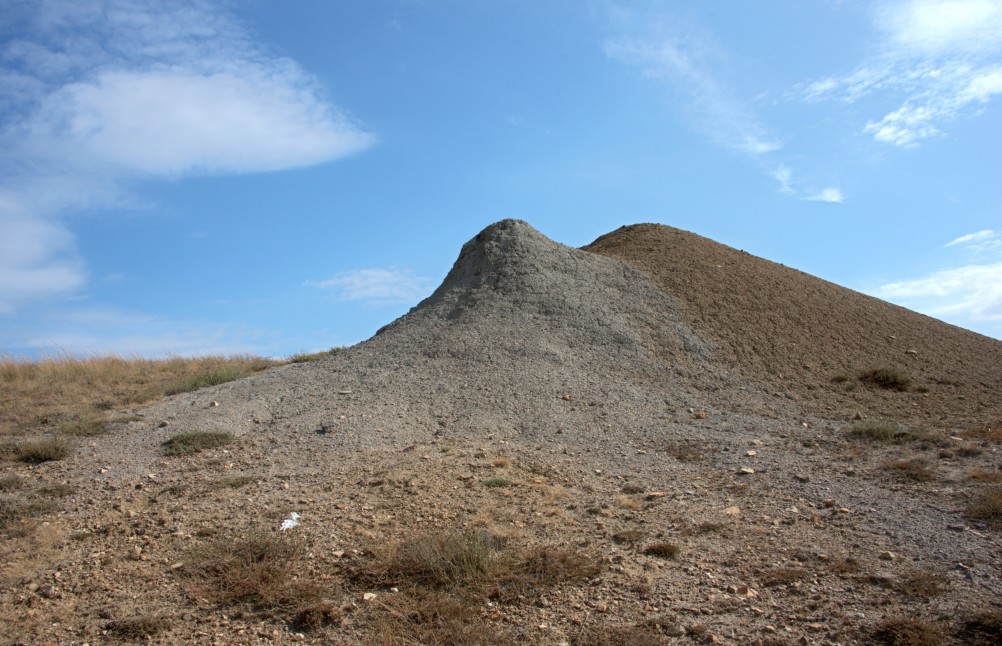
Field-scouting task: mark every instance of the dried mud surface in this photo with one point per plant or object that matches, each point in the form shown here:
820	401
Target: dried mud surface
653	389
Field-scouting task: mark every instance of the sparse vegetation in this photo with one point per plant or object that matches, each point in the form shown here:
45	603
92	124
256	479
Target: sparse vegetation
986	506
907	632
663	550
139	627
78	395
194	442
921	584
45	449
886	431
911	470
257	569
496	483
233	482
889	377
306	357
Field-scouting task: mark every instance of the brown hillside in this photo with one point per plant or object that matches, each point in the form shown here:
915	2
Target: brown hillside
804	336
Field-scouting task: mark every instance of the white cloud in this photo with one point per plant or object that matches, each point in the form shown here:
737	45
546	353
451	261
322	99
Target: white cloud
977	237
972	292
784	176
940	60
37	258
95	94
377	285
829	194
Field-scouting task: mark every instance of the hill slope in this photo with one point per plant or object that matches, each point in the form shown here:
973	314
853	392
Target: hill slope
798	332
627	429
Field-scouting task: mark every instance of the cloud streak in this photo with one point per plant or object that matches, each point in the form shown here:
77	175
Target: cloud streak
97	94
377	286
940	60
716	114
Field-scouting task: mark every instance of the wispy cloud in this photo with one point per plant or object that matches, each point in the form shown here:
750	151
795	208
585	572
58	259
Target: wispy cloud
829	194
670	49
788	186
711	107
96	94
984	240
939	60
93	331
377	286
969	293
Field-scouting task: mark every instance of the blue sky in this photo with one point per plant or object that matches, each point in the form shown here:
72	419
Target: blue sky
274	177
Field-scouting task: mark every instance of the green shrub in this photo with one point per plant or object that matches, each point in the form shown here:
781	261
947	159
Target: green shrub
194	442
890	377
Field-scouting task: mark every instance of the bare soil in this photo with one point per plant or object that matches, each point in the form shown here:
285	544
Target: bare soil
678	414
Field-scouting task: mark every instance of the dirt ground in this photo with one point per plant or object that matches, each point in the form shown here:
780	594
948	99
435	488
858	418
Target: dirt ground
663	440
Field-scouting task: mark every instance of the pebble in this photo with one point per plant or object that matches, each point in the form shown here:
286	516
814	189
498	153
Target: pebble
733	511
751	454
746	471
369	596
888	556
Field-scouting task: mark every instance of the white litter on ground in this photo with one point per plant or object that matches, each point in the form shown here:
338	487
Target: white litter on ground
291	521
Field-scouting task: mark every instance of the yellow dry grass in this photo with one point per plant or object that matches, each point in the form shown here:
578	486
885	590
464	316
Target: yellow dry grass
71	394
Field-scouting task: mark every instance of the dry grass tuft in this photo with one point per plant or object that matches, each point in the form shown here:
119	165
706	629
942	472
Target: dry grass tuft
663	550
139	627
884	431
911	470
436	618
986	506
984	629
782	576
258	568
194	442
315	617
451	559
78	394
46	449
985	475
629	537
906	632
921	585
307	357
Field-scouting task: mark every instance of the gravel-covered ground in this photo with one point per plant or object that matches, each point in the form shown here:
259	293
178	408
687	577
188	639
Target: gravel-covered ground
676	414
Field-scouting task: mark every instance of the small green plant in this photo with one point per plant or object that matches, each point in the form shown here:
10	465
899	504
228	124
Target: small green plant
496	483
194	442
879	430
213	377
234	482
82	425
46	449
890	377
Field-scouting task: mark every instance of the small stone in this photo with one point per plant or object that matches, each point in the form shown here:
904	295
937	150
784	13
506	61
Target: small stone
700	414
910	351
284	485
800	477
163	423
213	404
567	398
745	471
369	596
888	556
829	502
654	494
733	511
751	454
956	528
338	553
